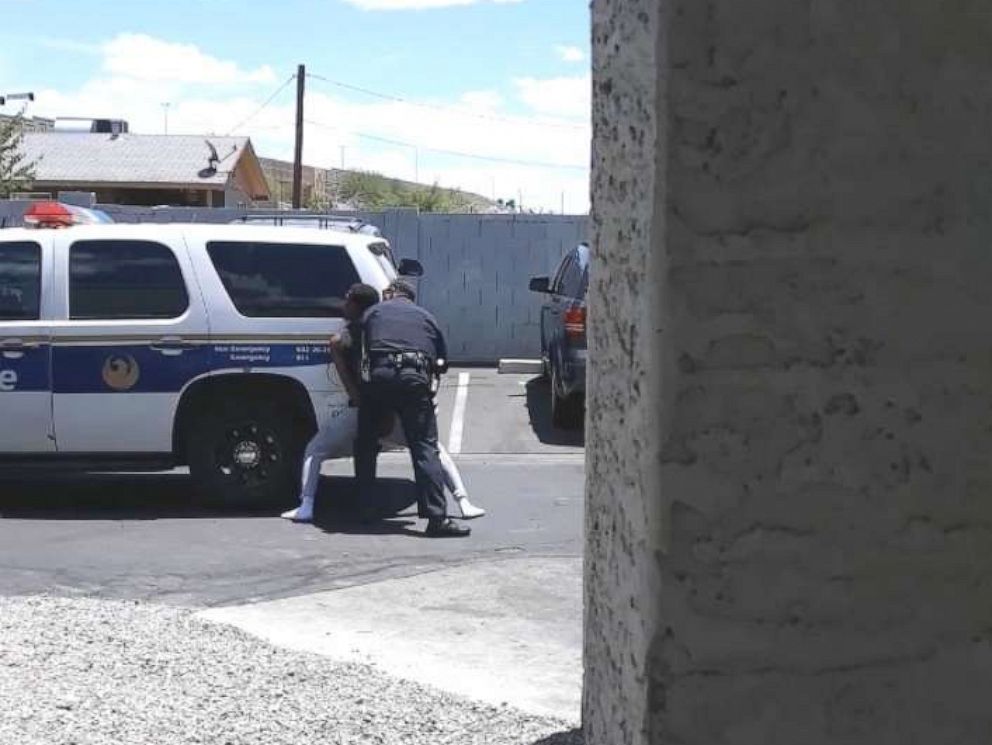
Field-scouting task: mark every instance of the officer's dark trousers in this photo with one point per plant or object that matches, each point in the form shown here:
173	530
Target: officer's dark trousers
407	394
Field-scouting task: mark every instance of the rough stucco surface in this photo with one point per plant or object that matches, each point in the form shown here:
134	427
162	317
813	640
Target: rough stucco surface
623	502
811	203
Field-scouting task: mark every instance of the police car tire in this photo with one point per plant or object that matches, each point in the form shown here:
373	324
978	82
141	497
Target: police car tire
260	425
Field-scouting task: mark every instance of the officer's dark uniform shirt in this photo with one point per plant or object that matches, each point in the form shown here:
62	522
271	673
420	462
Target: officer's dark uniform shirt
402	326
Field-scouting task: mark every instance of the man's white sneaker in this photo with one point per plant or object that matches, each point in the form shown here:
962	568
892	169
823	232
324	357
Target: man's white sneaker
301	514
469	510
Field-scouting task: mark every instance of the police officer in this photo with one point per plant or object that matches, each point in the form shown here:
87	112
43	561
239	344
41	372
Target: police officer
402	348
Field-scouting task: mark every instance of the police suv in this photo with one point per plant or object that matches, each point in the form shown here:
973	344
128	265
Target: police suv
152	346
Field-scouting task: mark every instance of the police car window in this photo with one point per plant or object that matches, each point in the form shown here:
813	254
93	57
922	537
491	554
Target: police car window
124	279
284	280
20	281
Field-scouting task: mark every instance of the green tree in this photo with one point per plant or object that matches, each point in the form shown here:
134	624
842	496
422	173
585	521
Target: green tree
316	202
367	190
16	174
436	199
375	192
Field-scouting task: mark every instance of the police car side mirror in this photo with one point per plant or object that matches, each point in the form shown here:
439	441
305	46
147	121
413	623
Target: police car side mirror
540	284
410	268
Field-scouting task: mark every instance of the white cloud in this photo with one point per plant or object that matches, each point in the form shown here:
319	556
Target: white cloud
478	130
142	57
481	100
565	97
418	4
476	122
570	54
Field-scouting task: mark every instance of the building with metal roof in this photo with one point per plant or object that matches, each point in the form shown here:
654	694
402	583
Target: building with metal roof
149	170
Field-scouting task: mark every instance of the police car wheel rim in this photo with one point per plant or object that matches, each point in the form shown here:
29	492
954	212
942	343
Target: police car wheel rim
248	453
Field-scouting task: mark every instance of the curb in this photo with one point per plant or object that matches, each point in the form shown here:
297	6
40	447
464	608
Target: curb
520	367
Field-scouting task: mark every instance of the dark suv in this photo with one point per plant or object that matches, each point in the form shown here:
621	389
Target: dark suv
563	335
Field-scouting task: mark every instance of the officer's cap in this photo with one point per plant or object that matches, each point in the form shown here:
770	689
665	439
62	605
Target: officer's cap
401	287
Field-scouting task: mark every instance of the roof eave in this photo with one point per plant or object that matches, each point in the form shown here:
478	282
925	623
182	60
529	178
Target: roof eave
199	185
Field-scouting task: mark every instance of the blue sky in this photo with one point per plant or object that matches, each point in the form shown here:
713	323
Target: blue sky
508	80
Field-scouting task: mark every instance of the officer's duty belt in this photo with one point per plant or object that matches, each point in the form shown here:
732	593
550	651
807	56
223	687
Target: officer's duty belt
400	360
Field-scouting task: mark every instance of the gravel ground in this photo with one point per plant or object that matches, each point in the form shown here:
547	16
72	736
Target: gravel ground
88	672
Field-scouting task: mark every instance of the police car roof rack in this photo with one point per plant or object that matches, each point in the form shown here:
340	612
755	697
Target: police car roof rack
347	224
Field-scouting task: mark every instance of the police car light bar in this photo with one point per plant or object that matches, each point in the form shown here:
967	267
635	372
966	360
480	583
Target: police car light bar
59	215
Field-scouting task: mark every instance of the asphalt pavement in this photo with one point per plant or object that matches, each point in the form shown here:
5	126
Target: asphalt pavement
142	536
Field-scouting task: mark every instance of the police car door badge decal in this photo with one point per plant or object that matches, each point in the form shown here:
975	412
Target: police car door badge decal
121	372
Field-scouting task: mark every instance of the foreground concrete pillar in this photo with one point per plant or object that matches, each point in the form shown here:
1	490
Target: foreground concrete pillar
790	422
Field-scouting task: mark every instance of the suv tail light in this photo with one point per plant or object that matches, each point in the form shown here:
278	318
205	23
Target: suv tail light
575	321
58	215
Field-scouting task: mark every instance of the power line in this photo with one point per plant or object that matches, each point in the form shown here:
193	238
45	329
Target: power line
272	127
456	153
447	109
262	108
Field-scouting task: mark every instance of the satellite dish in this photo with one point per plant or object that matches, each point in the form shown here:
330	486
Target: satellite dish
212	160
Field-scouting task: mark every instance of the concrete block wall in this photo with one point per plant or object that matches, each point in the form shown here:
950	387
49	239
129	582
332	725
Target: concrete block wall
789	523
476	267
477	270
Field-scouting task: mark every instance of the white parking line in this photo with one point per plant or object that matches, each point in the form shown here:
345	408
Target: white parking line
458	416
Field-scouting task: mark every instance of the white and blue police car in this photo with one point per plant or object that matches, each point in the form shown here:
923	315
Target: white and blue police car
150	346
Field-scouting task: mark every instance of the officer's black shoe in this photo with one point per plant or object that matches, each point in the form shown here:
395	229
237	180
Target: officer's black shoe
446	528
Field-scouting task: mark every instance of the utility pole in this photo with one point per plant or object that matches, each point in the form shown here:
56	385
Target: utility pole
301	80
165	109
342	157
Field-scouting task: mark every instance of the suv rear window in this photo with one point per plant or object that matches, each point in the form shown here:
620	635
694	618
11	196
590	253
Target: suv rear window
575	281
20	281
284	280
125	279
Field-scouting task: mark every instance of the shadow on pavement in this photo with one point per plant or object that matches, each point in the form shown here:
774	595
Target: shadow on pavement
153	496
345	513
100	497
346	525
539	408
572	737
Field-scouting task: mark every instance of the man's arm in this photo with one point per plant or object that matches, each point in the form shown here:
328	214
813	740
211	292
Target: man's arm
340	358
